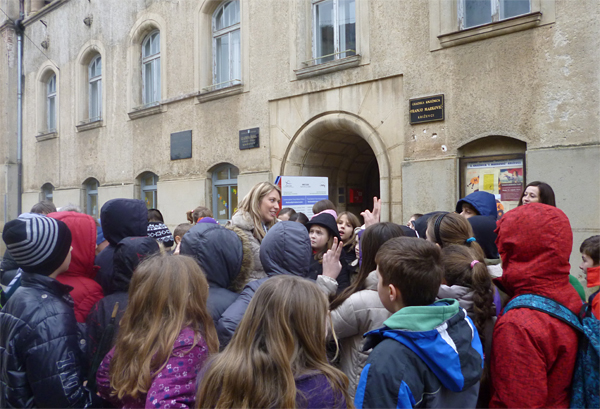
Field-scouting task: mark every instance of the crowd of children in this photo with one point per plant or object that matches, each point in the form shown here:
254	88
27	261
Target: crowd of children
464	309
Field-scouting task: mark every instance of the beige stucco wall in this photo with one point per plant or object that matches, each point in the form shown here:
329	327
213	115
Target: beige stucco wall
539	86
63	197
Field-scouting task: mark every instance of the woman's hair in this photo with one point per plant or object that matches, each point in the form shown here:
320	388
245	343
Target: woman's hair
451	228
251	205
166	294
349	245
546	193
198	213
281	337
154	215
373	238
330	235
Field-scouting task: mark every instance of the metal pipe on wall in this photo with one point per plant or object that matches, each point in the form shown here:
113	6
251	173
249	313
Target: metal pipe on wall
20	28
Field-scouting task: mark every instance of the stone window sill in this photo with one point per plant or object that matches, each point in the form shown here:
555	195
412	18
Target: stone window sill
86	126
490	30
46	136
143	111
330	66
220	93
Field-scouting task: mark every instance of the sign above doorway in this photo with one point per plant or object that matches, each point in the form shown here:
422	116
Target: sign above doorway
426	109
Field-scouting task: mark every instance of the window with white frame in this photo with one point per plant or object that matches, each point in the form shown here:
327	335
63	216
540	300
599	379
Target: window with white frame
91	194
225	193
47	192
226	45
474	13
334	29
151	68
51	104
95	89
148	184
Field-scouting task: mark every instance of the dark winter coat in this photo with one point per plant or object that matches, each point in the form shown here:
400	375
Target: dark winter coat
120	218
284	250
225	256
425	357
483	228
421	223
483	202
128	255
533	354
41	363
8	269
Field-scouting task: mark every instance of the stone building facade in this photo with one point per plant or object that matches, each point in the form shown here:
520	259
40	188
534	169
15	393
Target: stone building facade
331	86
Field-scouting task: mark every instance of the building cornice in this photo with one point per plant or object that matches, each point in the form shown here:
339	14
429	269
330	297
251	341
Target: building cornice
33	17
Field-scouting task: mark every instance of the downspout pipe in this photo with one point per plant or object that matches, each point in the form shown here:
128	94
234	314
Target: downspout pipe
19	29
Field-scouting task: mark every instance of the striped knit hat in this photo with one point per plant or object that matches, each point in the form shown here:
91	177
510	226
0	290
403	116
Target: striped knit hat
37	244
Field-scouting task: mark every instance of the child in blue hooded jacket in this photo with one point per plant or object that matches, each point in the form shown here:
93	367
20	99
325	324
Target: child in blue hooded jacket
428	354
478	203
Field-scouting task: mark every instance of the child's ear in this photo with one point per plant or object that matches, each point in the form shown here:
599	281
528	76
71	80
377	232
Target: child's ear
394	293
177	239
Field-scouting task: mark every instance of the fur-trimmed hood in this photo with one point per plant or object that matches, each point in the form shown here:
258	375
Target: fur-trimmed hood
224	254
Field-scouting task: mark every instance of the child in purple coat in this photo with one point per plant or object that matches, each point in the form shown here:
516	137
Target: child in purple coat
165	336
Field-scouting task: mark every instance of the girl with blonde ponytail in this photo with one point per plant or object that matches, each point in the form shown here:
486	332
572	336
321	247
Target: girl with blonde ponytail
277	356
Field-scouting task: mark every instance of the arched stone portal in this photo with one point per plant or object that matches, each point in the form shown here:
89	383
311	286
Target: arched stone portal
346	149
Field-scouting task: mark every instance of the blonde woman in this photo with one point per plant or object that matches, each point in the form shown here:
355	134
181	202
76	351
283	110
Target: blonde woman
164	338
256	214
277	356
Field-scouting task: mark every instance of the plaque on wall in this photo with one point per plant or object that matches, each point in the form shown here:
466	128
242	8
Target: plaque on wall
181	145
426	109
249	139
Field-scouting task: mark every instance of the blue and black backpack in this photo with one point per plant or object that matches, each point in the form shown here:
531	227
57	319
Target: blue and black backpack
585	384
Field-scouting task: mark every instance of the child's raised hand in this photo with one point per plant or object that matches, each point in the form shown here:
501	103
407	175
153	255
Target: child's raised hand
372	218
331	260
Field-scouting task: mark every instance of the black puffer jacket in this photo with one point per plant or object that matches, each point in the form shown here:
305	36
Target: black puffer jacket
41	363
128	255
8	269
284	250
225	256
120	218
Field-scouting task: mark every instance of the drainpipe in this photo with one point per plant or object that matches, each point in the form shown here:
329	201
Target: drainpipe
19	28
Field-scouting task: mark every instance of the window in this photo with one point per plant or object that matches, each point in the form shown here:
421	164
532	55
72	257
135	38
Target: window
91	193
47	192
51	104
148	183
226	45
225	197
95	89
479	12
151	68
334	29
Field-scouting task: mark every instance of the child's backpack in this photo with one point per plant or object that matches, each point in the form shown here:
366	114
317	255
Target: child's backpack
585	384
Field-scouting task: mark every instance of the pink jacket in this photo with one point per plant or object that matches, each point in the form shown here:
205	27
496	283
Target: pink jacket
173	387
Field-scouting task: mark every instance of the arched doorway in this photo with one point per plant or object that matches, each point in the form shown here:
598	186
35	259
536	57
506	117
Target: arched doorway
347	150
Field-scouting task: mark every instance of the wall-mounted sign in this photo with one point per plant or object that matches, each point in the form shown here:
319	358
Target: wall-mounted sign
249	139
181	145
426	109
302	192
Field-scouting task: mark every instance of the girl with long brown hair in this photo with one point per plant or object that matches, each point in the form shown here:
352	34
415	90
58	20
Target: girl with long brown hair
467	280
358	308
277	357
165	336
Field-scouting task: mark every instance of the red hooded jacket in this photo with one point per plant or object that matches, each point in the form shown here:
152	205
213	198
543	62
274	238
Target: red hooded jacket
533	354
80	275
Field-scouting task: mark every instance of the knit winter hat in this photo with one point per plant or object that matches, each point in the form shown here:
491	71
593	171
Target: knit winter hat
161	232
37	244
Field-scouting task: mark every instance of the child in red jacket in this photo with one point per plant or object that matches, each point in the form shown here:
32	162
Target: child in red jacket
590	254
